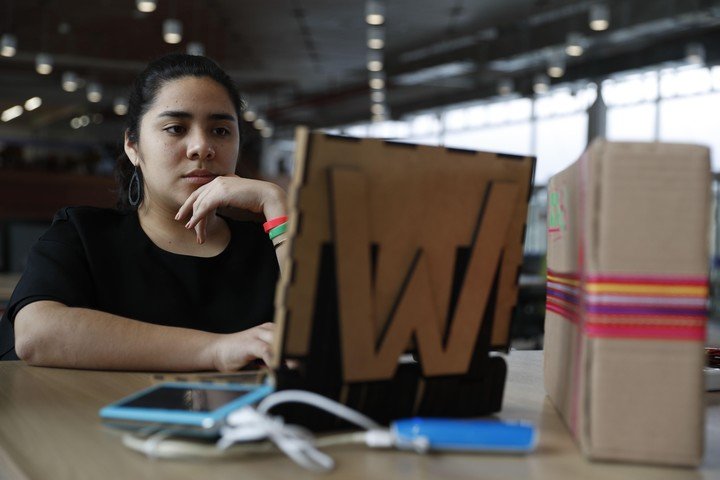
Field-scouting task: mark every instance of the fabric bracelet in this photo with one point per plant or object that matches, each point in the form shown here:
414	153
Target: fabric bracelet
274	222
278	230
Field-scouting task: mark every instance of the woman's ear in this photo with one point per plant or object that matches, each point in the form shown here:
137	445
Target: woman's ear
131	149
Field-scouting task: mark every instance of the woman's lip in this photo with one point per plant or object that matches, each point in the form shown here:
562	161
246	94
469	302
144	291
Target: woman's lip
199	179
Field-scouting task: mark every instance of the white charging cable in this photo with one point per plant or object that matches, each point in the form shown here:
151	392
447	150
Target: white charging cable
250	424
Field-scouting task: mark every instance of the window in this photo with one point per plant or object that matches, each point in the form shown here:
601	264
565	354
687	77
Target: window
559	142
692	119
631	123
513	139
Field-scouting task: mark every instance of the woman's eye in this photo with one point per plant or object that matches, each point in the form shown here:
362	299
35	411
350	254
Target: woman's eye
222	131
175	129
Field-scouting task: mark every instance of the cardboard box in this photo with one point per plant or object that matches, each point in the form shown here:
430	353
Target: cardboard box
627	260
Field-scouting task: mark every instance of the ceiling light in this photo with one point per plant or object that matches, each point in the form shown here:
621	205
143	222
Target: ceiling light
97	118
172	31
266	132
505	86
377	96
84	121
75	123
541	83
378	118
376	37
33	103
375	60
259	124
12	112
375	12
377	80
249	116
70	81
556	66
376	83
8	45
43	63
94	92
120	106
599	17
377	109
695	53
196	48
575	44
146	6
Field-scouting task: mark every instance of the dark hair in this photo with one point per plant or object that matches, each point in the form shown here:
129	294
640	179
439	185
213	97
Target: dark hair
143	93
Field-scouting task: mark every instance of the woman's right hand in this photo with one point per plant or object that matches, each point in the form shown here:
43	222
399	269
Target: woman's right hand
231	352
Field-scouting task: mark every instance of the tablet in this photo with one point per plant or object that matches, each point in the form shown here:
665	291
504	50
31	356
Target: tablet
184	407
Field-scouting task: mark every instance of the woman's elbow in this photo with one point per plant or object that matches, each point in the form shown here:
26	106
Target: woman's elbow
29	335
24	341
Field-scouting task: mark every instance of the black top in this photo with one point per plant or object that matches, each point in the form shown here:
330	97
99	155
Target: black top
102	259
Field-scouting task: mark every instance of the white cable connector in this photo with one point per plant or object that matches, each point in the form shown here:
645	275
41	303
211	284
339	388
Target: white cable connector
379	439
387	439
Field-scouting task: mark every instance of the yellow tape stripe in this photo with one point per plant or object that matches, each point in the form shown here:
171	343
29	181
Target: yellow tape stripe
564	281
688	290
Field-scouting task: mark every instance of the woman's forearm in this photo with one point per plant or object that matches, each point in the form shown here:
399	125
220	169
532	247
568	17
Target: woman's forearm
54	335
275	205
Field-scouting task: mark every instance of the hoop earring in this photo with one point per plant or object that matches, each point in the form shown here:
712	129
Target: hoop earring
134	199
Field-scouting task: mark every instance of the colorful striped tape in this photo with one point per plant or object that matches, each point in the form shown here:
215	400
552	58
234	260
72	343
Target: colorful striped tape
639	307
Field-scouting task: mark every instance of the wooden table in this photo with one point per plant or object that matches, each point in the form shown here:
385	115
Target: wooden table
49	429
7	285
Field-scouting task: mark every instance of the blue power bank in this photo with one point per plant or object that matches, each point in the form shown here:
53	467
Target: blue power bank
184	407
465	435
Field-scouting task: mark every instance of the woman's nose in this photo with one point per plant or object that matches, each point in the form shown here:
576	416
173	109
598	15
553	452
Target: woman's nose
200	148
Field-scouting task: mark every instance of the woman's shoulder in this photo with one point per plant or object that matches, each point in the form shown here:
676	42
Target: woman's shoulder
84	216
71	221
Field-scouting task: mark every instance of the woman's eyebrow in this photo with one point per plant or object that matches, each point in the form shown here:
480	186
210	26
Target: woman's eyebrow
222	116
182	114
175	114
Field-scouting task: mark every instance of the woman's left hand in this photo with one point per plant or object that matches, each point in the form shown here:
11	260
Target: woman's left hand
231	191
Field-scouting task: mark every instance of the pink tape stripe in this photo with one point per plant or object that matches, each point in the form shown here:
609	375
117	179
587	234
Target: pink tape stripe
649	280
563	312
648	332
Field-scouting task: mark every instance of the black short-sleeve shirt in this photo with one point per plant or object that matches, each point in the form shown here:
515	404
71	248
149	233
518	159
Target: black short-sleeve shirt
102	259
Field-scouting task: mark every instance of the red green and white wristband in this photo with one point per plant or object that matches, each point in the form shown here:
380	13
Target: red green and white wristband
276	227
279	230
274	222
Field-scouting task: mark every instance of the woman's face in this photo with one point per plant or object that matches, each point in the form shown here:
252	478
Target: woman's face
188	137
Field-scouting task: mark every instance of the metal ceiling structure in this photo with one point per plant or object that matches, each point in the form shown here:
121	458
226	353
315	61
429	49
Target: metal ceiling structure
304	61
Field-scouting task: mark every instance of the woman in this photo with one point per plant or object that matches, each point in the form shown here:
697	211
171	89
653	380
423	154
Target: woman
164	283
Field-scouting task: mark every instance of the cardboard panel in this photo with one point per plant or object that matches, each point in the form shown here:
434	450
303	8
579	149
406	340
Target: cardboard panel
396	248
418	196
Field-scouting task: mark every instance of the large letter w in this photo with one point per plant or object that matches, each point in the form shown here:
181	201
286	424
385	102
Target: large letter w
366	357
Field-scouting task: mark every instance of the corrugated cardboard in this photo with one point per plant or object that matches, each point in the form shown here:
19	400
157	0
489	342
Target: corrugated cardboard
395	246
626	221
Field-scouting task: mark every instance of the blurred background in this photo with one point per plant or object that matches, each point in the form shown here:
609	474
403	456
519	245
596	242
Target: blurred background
529	77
